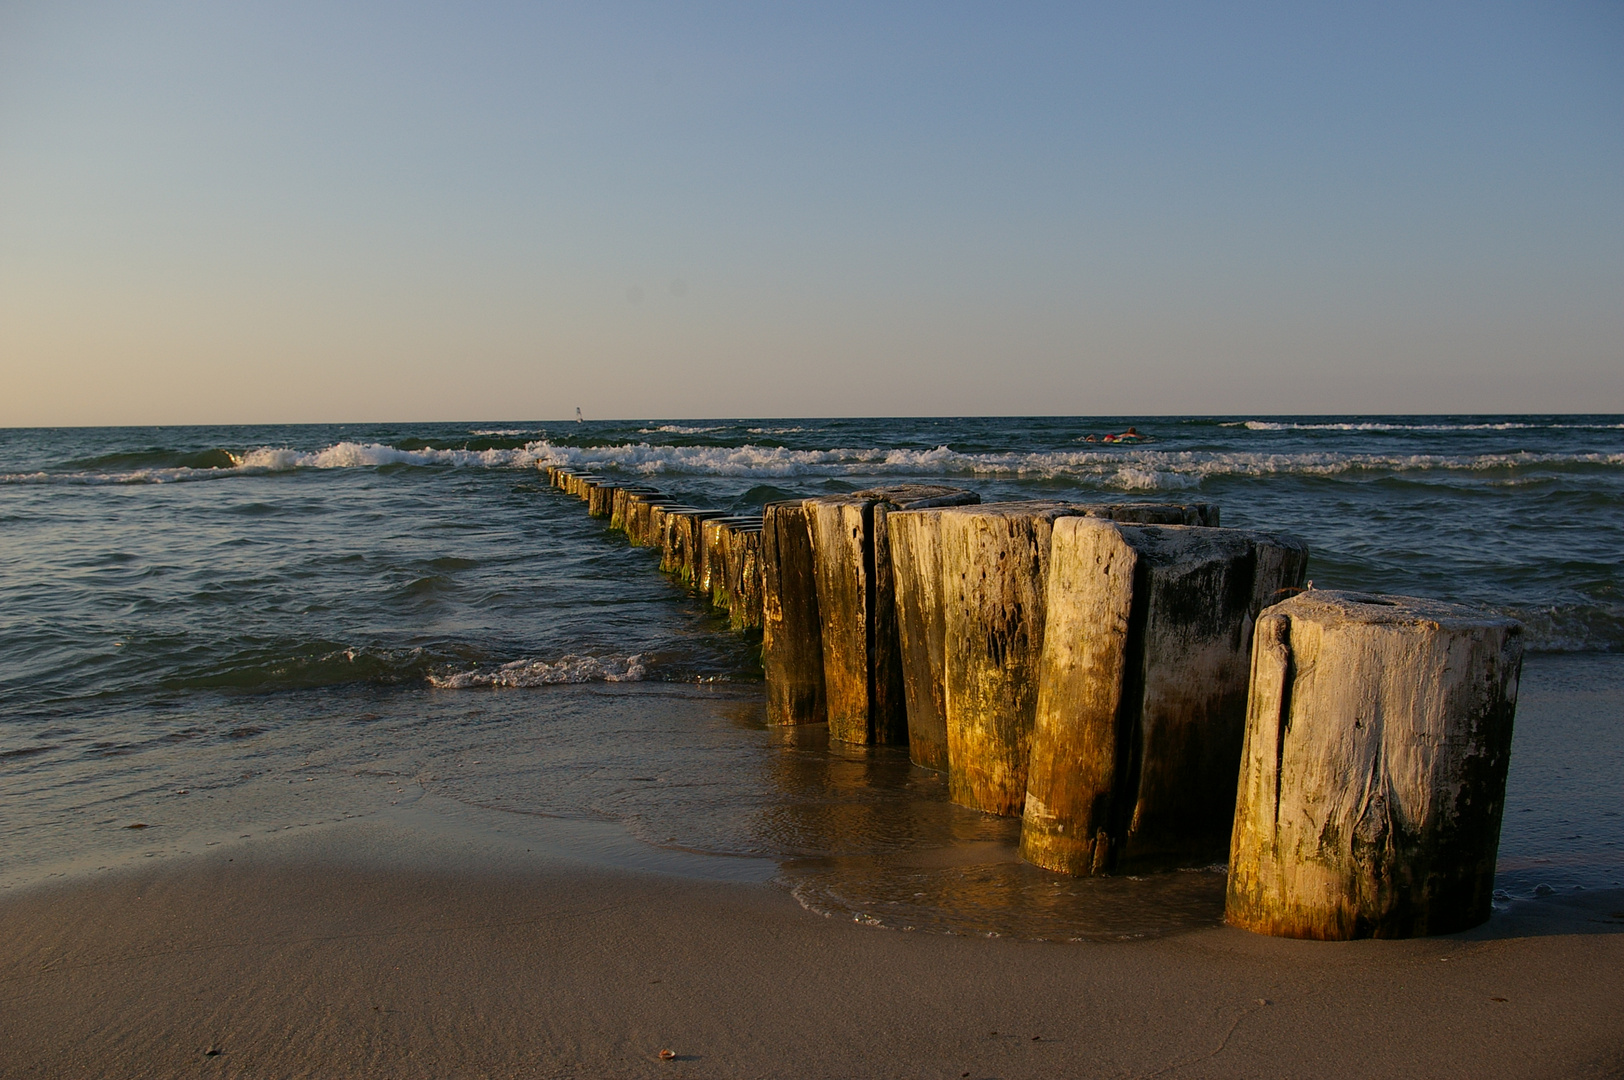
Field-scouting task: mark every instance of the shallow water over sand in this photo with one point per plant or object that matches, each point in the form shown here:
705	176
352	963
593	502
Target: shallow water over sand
219	634
688	779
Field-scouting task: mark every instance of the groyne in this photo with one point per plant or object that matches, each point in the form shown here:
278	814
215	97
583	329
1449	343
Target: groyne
1142	687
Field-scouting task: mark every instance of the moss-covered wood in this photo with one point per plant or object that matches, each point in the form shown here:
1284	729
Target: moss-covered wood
716	544
600	495
680	538
620	501
640	517
995	561
1141	700
1373	775
744	578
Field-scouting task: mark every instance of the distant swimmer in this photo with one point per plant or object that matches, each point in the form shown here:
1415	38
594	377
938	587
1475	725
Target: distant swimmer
1130	436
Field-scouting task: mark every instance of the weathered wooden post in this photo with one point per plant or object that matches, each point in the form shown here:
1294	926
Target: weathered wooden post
682	525
995	564
640	517
710	558
744	578
1141	699
658	513
916	563
617	509
862	663
791	632
600	498
1373	777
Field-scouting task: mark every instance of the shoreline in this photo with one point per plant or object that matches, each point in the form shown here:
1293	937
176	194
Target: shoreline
378	947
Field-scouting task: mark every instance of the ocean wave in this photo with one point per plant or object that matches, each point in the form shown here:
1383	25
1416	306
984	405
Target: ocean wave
1570	628
678	429
568	669
349	455
279	459
1376	425
1130	470
1127	469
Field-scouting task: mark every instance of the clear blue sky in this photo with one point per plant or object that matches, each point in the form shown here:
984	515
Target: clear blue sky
301	211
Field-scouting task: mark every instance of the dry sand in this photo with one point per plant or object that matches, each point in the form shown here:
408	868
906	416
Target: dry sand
371	950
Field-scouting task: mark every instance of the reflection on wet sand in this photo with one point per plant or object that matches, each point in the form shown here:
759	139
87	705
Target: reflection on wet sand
864	834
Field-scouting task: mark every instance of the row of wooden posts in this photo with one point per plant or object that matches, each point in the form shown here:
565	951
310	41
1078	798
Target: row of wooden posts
1142	687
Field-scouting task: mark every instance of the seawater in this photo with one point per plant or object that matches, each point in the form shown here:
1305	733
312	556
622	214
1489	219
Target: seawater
219	633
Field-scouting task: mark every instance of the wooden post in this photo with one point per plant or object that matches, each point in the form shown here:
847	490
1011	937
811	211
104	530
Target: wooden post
584	483
681	525
617	509
600	498
640	517
744	578
1374	772
916	562
862	665
1141	701
791	632
710	567
658	511
995	564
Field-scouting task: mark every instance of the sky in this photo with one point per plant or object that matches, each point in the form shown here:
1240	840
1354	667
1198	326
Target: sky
330	212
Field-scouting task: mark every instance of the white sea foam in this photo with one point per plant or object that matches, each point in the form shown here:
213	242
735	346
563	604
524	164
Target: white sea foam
567	669
1131	470
1126	469
349	455
1273	425
677	429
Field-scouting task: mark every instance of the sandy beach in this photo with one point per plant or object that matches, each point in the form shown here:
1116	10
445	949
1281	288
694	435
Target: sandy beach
378	949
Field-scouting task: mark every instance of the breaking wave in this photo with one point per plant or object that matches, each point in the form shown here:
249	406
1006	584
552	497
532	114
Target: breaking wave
1132	470
275	459
678	429
568	669
1276	425
1127	469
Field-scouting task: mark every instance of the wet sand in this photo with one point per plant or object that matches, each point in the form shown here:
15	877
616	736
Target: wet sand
374	949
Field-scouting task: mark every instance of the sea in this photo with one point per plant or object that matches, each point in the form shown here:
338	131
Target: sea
216	636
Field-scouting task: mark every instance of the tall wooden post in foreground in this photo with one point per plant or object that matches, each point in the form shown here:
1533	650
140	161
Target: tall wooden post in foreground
862	663
791	632
1373	777
1141	701
995	567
